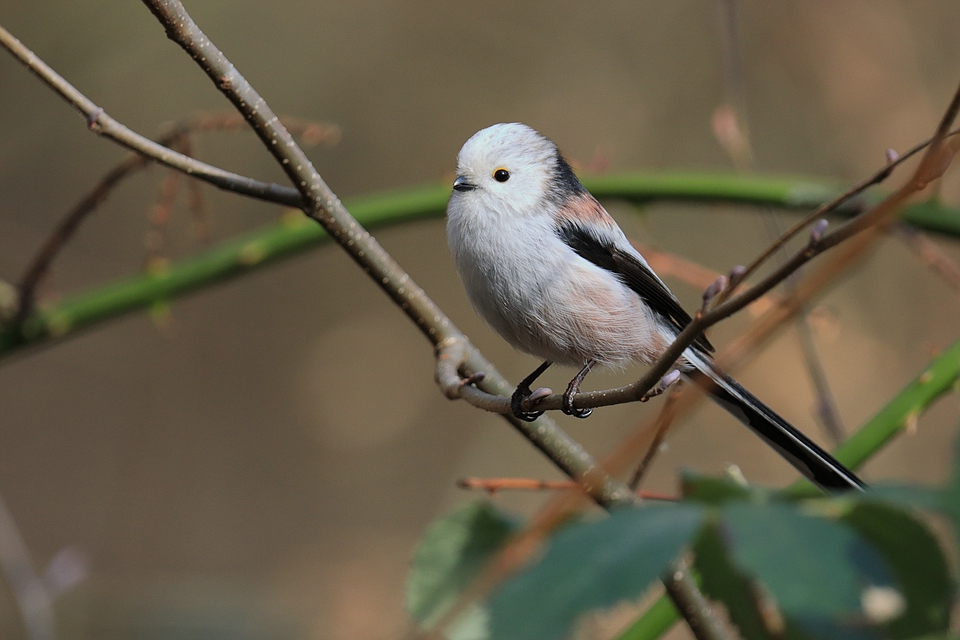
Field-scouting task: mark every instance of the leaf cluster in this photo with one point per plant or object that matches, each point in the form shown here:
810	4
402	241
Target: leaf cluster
846	566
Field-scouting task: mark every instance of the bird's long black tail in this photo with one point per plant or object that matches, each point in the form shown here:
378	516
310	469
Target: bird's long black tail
817	465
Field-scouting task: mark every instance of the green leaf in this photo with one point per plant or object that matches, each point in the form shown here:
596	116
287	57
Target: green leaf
917	562
451	555
813	567
711	490
944	500
724	582
951	492
592	565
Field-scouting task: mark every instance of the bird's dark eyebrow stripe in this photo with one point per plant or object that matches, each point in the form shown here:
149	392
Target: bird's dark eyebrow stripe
631	272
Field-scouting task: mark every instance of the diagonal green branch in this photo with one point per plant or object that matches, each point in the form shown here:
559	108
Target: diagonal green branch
294	235
940	376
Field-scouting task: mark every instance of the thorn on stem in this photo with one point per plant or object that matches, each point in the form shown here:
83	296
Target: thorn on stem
711	292
735	473
892	156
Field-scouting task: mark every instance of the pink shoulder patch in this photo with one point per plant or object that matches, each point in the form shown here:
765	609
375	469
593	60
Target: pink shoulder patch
584	209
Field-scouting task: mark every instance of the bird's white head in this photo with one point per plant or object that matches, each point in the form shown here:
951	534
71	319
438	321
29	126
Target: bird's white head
512	170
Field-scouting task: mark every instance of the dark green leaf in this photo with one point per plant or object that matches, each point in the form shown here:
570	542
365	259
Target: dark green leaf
951	493
722	581
450	556
943	500
906	496
813	567
591	565
917	562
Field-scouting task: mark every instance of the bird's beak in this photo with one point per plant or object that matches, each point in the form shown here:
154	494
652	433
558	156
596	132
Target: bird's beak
461	184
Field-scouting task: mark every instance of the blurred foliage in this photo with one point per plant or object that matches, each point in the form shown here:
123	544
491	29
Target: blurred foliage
847	566
783	563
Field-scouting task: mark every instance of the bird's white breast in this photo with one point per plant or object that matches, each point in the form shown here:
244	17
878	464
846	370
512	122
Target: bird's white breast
541	296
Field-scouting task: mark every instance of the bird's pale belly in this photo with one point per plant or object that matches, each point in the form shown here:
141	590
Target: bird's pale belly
598	318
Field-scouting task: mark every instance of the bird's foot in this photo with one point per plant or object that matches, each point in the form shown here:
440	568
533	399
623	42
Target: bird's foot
665	383
573	389
522	396
568	407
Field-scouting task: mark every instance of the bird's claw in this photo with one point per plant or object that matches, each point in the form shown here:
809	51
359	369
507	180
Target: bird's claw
522	395
568	407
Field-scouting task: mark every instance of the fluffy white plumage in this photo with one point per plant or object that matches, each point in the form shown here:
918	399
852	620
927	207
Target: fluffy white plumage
522	277
548	268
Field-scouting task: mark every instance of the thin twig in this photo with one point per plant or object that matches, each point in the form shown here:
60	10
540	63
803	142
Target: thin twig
160	216
823	210
739	147
930	254
688	598
174	139
196	203
101	123
493	485
29	592
663	423
67	227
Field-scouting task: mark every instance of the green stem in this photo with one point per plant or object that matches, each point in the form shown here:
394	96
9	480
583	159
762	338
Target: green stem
297	234
654	622
940	376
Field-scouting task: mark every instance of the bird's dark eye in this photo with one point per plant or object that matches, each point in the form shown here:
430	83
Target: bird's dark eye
501	175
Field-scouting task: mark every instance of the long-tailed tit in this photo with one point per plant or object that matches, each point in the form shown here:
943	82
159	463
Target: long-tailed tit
548	268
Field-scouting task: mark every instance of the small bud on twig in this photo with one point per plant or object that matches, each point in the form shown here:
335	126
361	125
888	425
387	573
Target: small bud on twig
892	158
736	274
711	292
667	381
816	233
92	118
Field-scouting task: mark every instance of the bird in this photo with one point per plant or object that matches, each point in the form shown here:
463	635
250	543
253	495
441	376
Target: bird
548	268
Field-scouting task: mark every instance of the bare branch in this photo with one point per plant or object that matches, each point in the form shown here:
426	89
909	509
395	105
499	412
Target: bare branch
663	423
102	124
177	137
825	209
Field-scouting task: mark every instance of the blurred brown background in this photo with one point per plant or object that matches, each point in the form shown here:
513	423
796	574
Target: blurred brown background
263	465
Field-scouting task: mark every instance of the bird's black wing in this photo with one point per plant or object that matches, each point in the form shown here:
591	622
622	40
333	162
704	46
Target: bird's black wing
632	272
